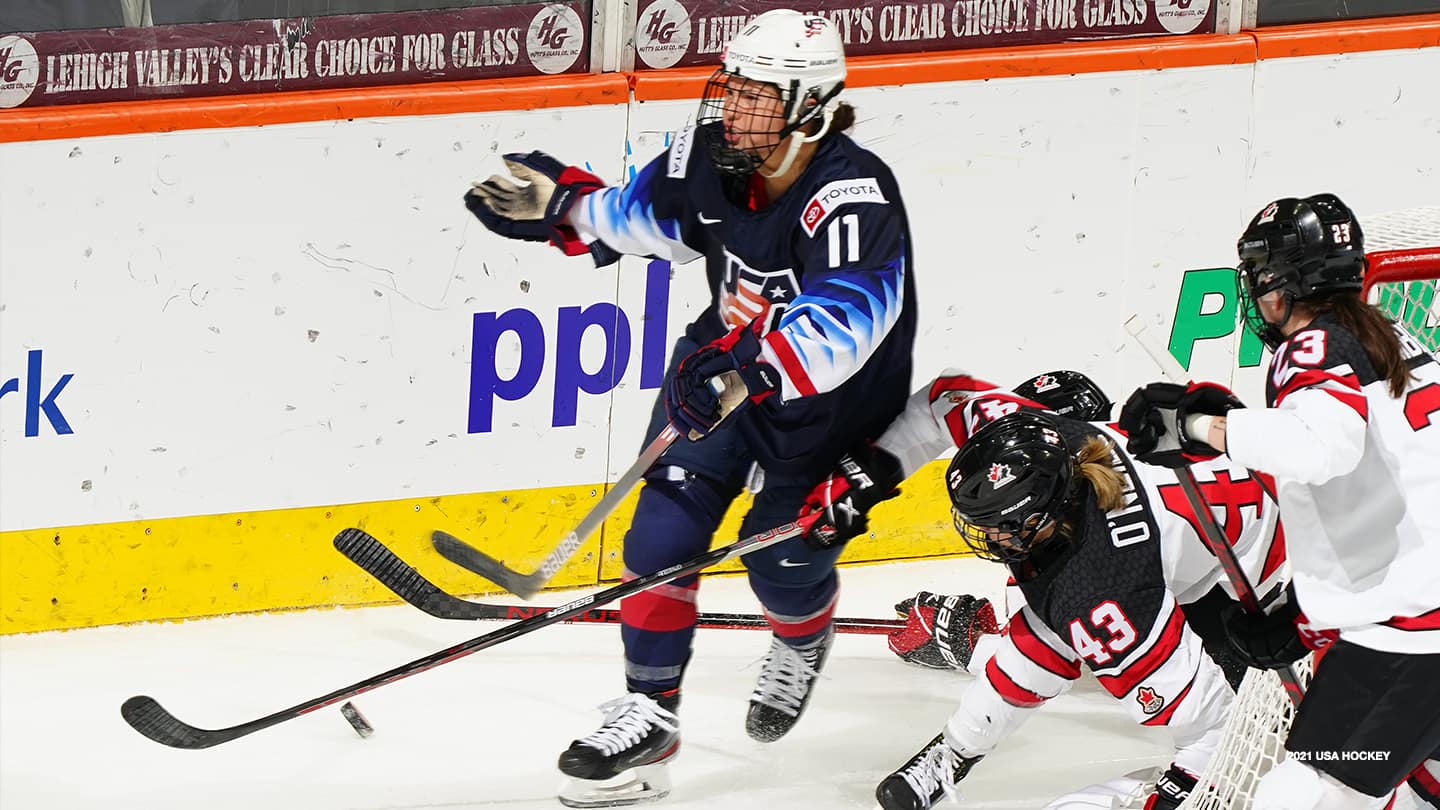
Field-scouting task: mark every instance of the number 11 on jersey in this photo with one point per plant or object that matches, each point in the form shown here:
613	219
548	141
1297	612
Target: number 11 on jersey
851	224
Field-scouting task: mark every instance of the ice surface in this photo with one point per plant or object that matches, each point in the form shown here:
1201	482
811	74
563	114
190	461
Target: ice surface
483	732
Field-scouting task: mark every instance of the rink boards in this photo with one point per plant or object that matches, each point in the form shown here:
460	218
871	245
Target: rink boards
235	329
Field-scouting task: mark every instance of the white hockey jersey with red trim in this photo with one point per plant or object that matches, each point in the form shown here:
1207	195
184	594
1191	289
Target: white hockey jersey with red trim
1111	598
1359	485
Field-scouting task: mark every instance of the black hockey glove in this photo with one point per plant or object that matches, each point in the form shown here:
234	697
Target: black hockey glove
940	631
863	477
1274	640
1171	789
693	404
1155	415
536	212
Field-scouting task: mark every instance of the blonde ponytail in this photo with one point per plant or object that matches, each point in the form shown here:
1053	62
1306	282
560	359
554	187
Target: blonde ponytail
1093	464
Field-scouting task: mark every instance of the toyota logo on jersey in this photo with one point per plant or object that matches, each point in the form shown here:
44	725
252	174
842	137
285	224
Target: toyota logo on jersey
747	294
999	475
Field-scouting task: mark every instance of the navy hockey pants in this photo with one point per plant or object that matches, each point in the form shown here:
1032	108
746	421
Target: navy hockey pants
681	504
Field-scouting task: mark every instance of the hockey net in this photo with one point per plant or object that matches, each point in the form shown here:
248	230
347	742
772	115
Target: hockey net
1404	253
1403	248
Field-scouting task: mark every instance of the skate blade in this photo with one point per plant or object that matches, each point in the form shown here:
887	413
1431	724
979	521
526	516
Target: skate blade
647	783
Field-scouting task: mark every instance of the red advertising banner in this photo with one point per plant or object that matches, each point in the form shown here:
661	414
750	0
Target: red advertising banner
306	53
694	32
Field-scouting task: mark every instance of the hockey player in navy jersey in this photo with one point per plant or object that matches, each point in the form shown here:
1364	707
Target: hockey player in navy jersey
1104	552
806	249
1352	435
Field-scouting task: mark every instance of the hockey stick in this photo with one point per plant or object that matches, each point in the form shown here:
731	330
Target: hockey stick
732	393
1210	533
527	585
400	577
147	716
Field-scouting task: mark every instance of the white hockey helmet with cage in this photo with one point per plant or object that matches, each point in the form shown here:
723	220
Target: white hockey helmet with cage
802	55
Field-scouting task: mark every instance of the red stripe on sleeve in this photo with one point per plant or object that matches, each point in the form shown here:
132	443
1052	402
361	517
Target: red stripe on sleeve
964	384
1425	621
1038	652
1276	556
1013	693
1146	665
790	364
1313	377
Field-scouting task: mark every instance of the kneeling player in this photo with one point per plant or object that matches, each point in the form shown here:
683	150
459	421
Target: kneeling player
1102	548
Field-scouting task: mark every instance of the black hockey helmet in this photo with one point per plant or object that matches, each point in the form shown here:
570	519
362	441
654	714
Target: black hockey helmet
1068	393
1302	247
1007	482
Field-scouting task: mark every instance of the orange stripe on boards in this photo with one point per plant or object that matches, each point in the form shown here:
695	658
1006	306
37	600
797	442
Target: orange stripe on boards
1387	34
259	109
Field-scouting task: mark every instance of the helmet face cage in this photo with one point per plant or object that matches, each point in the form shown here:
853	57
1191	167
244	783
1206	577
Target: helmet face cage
1010	542
751	118
1008	483
1251	284
754	118
1302	248
777	74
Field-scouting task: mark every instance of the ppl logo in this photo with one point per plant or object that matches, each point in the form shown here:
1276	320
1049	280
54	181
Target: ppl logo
489	380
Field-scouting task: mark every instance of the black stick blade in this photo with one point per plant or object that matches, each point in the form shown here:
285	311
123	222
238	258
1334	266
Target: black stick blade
147	716
476	561
407	583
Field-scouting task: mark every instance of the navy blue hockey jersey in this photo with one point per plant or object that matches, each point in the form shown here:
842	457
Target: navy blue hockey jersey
826	268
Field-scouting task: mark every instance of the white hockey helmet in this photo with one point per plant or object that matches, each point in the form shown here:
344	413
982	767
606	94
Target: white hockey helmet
802	54
803	58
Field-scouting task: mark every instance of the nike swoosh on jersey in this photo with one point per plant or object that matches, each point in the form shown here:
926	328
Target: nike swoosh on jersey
704	220
785	562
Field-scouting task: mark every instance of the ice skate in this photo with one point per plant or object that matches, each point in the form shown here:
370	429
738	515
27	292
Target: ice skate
786	680
624	761
928	777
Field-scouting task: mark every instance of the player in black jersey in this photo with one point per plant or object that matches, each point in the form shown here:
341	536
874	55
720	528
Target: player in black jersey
1351	435
1104	552
807	252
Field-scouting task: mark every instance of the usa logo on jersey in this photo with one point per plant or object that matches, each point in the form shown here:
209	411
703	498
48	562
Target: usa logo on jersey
747	294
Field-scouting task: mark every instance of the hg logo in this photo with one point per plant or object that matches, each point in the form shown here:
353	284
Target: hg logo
35	404
9	69
658	30
551	36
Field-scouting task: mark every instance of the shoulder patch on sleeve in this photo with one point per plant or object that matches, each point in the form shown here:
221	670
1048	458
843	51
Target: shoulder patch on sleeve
680	152
835	194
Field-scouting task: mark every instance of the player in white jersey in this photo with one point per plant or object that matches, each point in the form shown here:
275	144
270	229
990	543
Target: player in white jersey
1104	550
1351	435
